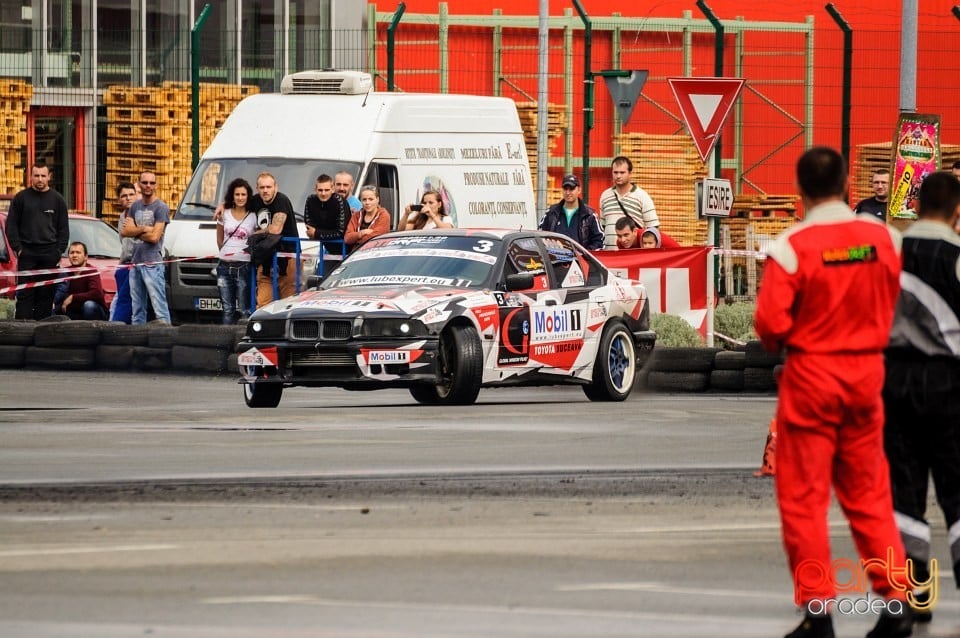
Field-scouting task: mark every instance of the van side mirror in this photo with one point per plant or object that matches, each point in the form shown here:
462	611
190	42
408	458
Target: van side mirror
519	281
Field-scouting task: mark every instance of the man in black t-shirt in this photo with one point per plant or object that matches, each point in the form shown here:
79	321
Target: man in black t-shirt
274	216
876	205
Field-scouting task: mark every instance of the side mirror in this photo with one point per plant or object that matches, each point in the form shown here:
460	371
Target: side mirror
519	281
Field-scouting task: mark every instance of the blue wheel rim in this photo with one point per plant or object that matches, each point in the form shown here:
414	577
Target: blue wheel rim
619	362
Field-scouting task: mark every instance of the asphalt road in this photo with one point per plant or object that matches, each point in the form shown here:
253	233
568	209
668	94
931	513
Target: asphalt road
135	505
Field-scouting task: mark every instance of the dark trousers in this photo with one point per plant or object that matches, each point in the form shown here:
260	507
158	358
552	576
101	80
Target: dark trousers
922	439
37	302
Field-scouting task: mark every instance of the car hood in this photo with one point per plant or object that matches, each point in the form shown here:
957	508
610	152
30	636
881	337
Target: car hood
407	300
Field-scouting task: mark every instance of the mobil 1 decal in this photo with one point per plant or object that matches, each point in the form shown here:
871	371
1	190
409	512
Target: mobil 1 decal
514	347
557	335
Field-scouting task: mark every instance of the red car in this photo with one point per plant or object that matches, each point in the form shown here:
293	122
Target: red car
103	248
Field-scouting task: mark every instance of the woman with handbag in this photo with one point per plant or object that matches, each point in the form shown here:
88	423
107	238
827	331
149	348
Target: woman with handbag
233	270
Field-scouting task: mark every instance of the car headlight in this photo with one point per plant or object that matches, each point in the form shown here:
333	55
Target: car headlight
266	329
392	328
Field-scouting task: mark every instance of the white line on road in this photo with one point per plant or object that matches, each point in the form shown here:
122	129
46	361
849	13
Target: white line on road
60	551
685	617
665	589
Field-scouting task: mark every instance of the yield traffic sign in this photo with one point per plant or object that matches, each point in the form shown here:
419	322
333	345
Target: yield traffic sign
705	104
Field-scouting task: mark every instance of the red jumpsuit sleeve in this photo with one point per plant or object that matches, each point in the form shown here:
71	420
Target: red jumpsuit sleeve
773	319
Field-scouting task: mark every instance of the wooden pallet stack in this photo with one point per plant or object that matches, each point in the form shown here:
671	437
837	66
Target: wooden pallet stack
872	157
556	126
15	96
150	129
667	167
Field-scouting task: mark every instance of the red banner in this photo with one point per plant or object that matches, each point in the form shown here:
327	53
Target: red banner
675	278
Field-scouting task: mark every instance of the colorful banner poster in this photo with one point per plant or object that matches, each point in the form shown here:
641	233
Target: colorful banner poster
916	154
676	279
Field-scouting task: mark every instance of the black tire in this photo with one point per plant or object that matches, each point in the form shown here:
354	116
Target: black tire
757	357
683	359
17	333
758	380
12	356
262	395
114	333
730	360
615	367
207	336
192	359
678	381
110	357
154	359
60	358
726	380
67	334
161	336
424	393
460	364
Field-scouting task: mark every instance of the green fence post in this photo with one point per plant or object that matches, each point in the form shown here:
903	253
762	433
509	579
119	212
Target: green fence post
391	30
195	85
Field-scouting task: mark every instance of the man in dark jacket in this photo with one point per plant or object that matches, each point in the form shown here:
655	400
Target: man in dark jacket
38	230
573	218
325	215
922	432
80	298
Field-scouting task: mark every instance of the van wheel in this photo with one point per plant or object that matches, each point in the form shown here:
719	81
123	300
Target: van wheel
615	366
262	395
460	362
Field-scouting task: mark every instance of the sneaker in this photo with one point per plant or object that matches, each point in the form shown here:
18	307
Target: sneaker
813	627
922	615
893	625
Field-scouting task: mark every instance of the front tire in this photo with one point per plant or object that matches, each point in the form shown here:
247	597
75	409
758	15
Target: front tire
460	362
262	395
615	367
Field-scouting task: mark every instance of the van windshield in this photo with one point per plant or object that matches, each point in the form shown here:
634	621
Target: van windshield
296	178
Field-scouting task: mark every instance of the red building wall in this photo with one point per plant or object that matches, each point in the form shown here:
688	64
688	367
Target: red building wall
772	60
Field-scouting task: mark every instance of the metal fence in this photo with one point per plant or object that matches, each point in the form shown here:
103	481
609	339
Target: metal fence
129	118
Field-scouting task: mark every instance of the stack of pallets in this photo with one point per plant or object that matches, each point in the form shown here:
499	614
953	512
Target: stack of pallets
15	96
150	129
556	126
765	205
667	167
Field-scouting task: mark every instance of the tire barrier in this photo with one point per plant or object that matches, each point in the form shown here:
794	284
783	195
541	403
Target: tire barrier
209	349
750	369
107	345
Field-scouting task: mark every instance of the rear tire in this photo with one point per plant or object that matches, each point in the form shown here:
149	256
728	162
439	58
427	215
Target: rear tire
460	362
262	395
615	368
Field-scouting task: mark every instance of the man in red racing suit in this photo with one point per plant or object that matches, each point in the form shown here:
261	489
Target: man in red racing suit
828	293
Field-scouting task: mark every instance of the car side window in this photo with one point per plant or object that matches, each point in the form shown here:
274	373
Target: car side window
4	252
523	256
566	262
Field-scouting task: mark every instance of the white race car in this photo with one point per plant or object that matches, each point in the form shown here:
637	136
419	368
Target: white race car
446	312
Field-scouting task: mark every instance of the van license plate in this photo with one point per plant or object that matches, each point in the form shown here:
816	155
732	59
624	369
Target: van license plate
207	303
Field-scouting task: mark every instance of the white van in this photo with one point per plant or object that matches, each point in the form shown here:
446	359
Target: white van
470	148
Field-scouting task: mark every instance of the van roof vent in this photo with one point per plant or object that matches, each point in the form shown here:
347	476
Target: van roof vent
327	82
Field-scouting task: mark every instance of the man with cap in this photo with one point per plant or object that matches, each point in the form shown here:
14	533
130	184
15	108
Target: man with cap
571	217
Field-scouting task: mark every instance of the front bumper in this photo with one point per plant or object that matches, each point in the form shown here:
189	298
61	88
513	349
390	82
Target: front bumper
357	365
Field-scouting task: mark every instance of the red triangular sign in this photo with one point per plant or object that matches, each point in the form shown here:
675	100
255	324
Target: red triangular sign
705	104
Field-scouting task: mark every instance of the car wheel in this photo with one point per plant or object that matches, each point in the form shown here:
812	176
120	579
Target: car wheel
460	359
424	393
262	395
615	367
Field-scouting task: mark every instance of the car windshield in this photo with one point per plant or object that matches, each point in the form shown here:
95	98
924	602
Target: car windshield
433	260
296	178
101	239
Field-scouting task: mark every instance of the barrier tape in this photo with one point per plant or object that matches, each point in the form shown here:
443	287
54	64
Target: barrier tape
48	282
736	342
740	253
